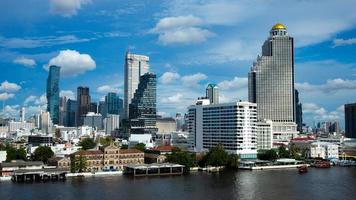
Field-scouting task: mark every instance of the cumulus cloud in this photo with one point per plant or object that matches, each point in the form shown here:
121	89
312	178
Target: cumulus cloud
181	30
319	113
67	93
235	83
344	42
9	87
5	96
193	80
28	62
41	100
173	99
10	111
169	77
67	8
331	86
30	99
107	89
72	62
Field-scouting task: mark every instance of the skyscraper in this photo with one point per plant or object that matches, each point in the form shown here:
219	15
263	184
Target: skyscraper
271	83
53	93
113	103
350	120
135	66
83	100
298	112
93	107
212	93
71	113
143	105
62	111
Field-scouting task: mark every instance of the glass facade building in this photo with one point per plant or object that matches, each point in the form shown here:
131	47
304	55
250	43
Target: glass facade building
71	113
83	101
212	93
143	106
53	93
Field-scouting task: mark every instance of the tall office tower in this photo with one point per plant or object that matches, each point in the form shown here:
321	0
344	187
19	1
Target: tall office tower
83	101
143	106
53	93
71	113
111	123
350	120
135	67
271	84
62	111
45	122
232	125
102	108
22	114
212	93
114	104
179	121
93	107
298	112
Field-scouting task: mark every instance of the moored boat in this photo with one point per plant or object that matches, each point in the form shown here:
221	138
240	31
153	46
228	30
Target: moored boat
303	169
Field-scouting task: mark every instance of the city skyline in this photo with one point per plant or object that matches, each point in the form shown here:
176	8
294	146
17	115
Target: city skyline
187	51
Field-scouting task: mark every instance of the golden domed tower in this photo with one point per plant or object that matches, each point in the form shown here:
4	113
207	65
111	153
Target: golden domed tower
278	30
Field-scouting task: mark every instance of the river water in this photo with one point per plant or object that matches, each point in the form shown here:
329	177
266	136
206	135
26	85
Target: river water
320	184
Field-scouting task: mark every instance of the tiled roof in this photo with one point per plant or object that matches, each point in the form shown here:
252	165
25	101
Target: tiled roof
126	151
163	148
88	152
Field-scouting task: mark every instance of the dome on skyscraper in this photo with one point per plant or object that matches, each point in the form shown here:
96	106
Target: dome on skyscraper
278	26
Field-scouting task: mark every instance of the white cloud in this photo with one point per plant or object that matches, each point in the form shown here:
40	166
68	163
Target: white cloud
67	8
10	111
30	99
236	83
319	113
177	98
343	42
72	62
28	62
67	93
41	100
169	77
331	86
193	80
107	89
181	30
9	87
5	96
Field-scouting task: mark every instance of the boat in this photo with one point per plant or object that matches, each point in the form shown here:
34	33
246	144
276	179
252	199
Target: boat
303	169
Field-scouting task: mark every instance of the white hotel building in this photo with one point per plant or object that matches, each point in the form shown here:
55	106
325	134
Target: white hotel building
233	125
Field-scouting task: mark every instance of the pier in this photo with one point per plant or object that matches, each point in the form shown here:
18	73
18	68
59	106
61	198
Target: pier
154	169
30	175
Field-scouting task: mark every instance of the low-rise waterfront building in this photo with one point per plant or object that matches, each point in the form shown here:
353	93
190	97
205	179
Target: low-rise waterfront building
264	135
7	168
324	150
94	159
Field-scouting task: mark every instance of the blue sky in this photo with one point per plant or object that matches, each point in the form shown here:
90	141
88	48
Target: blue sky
190	43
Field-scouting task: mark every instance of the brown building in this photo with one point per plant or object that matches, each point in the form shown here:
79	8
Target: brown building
154	158
94	159
60	163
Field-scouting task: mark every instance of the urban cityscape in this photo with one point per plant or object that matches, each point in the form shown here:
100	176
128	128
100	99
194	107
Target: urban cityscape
179	100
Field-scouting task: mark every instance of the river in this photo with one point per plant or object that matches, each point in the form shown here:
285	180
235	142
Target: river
320	184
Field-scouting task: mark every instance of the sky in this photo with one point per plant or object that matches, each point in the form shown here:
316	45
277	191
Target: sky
190	43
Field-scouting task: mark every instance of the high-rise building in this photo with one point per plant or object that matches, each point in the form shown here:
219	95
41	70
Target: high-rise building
62	111
143	105
71	113
93	120
94	107
83	101
53	93
102	109
350	120
22	114
271	84
212	93
232	125
135	67
264	135
111	123
298	112
45	122
113	103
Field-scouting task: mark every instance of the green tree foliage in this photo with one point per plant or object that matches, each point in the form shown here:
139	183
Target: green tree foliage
295	152
267	155
182	158
78	164
234	161
15	154
87	143
140	146
43	153
217	156
105	141
283	152
2	147
124	146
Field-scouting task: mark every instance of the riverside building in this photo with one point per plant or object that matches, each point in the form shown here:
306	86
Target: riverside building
271	84
233	125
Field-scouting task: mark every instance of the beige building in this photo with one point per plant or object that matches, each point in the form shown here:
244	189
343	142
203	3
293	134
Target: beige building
166	125
94	159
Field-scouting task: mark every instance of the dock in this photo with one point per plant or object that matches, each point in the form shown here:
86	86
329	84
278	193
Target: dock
30	175
154	169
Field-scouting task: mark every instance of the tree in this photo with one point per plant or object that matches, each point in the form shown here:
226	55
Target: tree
43	153
2	147
295	152
216	156
105	141
124	146
234	161
15	154
140	146
87	143
270	154
283	152
182	158
78	164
